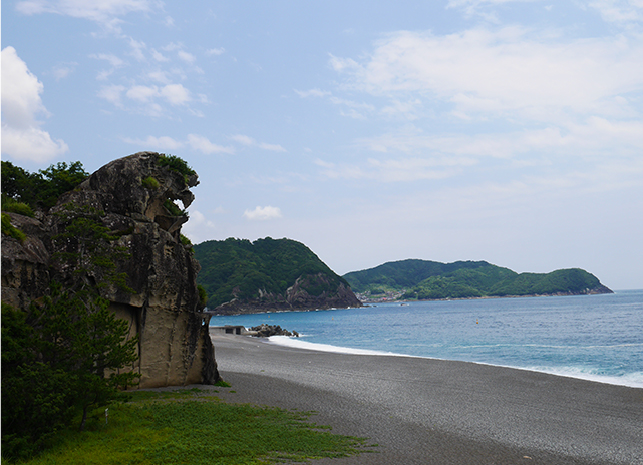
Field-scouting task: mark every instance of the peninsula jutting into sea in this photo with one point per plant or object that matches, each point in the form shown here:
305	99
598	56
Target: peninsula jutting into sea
428	280
269	274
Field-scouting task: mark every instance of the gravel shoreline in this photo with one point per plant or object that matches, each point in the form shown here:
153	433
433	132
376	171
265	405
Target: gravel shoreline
423	411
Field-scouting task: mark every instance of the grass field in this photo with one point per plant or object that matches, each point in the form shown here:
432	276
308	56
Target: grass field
195	427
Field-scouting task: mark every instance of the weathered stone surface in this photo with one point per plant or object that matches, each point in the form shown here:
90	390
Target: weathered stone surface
265	330
295	299
25	265
164	310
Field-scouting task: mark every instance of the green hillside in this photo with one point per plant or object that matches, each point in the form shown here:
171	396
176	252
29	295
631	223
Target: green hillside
422	279
238	268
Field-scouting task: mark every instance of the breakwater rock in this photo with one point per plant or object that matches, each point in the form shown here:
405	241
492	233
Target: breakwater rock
133	198
265	330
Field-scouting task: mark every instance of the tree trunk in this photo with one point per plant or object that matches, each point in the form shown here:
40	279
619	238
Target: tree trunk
82	422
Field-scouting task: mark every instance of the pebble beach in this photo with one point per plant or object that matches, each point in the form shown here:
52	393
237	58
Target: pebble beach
425	411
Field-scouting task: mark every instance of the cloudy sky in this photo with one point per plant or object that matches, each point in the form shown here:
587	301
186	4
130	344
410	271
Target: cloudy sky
502	130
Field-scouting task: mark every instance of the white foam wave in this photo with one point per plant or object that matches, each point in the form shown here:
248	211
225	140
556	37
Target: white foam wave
634	380
299	344
629	380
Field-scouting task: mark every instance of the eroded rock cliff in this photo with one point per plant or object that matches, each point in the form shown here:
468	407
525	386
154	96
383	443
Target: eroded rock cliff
136	195
296	298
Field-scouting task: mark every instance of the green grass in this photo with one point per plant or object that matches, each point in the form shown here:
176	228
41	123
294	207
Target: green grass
11	230
150	183
194	427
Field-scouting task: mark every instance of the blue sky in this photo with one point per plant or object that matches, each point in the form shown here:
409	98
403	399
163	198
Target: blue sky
502	130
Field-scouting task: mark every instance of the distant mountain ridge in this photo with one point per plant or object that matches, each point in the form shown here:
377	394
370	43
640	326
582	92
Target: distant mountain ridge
415	279
268	274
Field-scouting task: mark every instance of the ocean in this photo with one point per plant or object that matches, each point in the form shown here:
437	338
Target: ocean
594	337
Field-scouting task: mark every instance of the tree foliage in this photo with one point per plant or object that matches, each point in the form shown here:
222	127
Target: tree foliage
40	190
404	274
59	359
10	230
242	269
423	279
177	164
87	249
67	353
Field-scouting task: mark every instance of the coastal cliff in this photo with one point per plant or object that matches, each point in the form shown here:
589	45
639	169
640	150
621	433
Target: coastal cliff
268	275
132	197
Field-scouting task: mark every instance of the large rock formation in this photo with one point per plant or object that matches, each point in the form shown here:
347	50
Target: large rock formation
136	194
296	298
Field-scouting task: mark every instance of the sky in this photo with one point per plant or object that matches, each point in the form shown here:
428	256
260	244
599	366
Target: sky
509	131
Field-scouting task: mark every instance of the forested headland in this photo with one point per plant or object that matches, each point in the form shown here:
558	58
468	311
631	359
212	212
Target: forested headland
268	274
424	280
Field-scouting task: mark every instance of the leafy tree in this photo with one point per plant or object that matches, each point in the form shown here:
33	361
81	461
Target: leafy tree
60	358
68	343
36	397
40	190
87	250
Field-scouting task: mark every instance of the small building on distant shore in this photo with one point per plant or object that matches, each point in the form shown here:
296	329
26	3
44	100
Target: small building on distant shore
228	329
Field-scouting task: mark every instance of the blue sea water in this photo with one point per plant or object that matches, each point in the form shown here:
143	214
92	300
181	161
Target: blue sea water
595	337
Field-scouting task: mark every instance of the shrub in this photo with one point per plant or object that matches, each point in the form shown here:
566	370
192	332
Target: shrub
186	241
203	296
150	183
173	208
12	205
177	164
11	230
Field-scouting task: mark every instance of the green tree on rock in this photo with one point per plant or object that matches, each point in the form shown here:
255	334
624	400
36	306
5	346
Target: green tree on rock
67	353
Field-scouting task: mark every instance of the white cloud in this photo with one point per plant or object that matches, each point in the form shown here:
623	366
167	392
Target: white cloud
187	57
137	48
583	140
112	94
113	60
203	144
245	140
250	142
500	73
176	94
408	109
312	93
619	11
398	170
31	144
263	213
172	47
158	143
105	12
159	76
354	109
22	137
195	141
158	56
61	71
271	147
199	228
215	51
143	93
